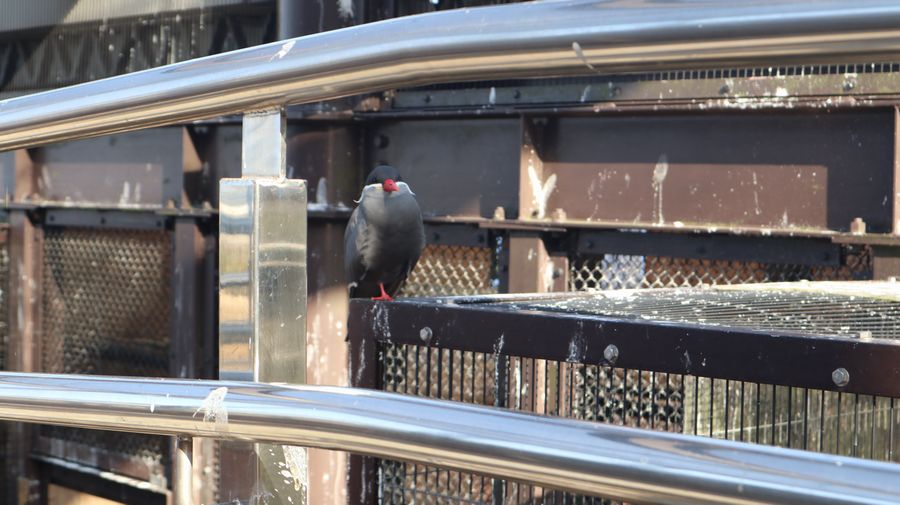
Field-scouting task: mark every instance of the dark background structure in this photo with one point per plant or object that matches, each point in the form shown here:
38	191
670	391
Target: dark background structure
670	179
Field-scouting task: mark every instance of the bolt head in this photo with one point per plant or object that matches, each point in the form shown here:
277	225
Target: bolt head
611	353
425	334
840	377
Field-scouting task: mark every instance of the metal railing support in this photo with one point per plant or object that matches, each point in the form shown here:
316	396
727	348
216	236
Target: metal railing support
183	471
262	300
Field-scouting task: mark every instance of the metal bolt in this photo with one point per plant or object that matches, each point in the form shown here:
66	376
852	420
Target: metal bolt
849	85
425	334
611	353
725	89
841	377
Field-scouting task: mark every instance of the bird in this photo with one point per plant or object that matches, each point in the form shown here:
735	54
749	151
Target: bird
384	238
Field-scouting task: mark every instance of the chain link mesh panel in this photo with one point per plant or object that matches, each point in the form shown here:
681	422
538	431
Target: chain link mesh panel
445	270
617	271
106	311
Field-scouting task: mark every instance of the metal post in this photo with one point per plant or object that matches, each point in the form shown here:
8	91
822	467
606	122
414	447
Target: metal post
182	474
262	302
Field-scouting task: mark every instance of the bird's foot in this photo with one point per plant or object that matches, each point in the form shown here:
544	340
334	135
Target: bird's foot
383	297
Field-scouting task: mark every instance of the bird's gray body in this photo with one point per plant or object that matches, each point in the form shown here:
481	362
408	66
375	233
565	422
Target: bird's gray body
383	241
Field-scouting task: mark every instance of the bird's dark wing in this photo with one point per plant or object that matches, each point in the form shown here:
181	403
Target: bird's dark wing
354	248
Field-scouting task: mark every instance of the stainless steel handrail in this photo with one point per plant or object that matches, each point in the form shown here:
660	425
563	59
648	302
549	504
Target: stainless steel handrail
531	39
622	463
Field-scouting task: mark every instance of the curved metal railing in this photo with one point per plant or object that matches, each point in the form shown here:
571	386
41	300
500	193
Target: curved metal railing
622	463
531	39
524	40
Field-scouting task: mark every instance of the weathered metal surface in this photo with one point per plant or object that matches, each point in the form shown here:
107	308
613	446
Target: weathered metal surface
456	168
775	171
646	344
262	299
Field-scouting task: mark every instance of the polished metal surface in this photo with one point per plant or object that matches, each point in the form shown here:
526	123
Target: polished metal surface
597	459
182	472
262	154
262	299
530	39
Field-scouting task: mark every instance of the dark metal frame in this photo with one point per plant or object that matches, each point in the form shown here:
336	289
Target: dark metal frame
487	325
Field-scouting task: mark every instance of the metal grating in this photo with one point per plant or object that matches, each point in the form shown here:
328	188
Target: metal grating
106	311
776	307
617	271
445	270
821	421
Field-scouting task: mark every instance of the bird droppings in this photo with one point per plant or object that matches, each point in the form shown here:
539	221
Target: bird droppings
285	49
492	96
322	191
345	8
580	54
540	191
213	408
585	93
297	466
498	345
660	171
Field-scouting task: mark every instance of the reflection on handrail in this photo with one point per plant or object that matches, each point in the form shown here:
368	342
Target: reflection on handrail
621	463
535	39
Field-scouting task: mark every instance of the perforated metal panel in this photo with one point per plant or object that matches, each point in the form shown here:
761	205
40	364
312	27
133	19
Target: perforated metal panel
106	311
445	270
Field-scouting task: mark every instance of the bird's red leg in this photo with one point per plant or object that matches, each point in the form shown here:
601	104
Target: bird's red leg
384	296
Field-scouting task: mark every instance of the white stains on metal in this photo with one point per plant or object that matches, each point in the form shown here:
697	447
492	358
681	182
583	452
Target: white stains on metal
577	346
345	8
297	466
322	191
540	191
585	93
547	276
580	54
285	49
498	345
126	193
756	195
492	96
213	408
381	323
660	171
362	362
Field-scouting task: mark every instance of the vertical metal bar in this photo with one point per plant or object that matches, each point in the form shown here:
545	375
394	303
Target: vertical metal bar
262	301
742	410
182	473
805	418
501	390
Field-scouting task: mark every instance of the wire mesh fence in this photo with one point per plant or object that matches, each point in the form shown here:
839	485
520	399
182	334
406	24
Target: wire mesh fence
445	270
106	311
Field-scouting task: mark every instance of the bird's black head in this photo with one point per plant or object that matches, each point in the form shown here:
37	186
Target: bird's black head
385	175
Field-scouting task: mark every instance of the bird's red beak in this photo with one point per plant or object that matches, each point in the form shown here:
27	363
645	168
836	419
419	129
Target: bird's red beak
389	185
